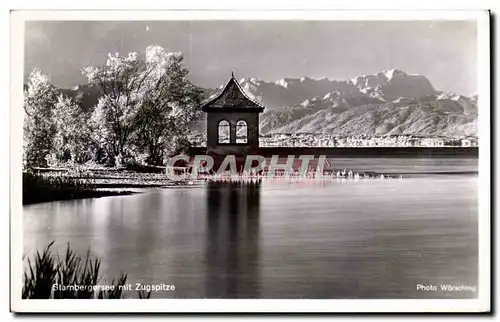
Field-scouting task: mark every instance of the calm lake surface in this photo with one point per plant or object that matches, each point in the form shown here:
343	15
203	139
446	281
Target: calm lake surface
337	239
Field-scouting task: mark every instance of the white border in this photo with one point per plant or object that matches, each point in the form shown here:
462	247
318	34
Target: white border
167	305
346	15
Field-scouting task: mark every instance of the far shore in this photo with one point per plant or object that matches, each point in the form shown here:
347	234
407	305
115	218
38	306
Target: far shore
362	152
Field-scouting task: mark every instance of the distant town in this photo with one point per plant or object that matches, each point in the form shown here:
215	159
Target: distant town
325	140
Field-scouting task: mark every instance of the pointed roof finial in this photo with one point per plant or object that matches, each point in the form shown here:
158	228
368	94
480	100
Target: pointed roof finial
232	74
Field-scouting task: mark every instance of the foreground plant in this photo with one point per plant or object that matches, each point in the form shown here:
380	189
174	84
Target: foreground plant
47	270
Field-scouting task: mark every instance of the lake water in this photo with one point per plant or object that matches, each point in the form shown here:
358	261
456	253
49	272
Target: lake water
339	239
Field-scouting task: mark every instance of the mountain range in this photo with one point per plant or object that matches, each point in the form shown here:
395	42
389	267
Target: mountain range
389	102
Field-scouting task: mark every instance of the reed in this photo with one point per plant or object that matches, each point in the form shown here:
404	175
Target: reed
39	188
59	186
48	269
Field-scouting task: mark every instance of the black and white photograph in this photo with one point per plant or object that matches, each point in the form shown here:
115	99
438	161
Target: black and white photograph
235	156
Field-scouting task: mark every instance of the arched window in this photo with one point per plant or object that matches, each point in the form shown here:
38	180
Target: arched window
224	132
241	132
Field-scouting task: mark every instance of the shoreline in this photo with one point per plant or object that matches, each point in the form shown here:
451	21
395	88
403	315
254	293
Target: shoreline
117	182
79	196
361	152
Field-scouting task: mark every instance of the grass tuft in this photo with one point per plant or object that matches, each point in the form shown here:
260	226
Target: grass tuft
47	269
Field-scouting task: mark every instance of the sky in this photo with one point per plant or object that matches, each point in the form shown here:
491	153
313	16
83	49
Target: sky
444	51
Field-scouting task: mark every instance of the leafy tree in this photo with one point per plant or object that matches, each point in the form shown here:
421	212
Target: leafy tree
146	105
170	103
118	82
39	127
73	140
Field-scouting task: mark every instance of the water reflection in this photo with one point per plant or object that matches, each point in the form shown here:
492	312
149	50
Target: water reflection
352	239
232	244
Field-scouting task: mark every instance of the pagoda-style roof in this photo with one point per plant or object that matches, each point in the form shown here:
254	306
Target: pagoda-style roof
232	98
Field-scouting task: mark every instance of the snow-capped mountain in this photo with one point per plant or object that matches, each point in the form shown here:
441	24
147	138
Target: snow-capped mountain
389	102
427	117
392	84
473	98
292	91
469	104
384	86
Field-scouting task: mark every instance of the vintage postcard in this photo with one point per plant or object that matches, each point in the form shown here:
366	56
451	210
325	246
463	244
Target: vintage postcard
250	161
